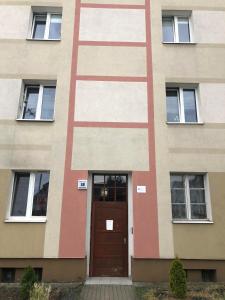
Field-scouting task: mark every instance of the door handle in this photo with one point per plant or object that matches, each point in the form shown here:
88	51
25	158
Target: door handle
124	241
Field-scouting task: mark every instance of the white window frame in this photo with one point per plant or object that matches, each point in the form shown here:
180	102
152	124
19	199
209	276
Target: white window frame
47	26
28	217
176	39
208	218
39	102
180	92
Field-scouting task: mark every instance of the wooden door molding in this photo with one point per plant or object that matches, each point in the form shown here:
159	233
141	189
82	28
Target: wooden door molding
109	248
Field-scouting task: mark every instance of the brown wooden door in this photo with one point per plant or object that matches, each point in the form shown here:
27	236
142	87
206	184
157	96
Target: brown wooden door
109	226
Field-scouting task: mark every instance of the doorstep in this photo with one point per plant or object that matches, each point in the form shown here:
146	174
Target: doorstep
108	281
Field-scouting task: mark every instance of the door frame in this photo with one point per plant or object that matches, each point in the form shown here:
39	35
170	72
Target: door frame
89	214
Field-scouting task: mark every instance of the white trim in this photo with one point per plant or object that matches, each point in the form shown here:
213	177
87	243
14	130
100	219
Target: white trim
176	38
9	207
192	222
34	120
181	102
26	220
180	95
47	26
39	103
207	197
208	218
48	16
185	123
30	195
29	207
176	32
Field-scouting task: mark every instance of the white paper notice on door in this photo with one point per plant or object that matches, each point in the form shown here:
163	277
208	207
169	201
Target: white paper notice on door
109	224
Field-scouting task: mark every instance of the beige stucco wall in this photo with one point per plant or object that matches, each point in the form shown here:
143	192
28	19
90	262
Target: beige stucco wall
212	99
17	239
110	101
204	241
127	25
117	149
9	100
14	21
111	61
36	145
207	26
187	148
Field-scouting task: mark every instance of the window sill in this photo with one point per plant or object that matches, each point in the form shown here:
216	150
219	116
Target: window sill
33	120
179	43
185	123
43	40
192	222
26	220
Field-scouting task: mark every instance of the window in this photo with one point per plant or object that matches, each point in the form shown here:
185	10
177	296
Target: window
188	197
30	194
182	106
176	29
208	275
110	187
46	26
8	275
38	102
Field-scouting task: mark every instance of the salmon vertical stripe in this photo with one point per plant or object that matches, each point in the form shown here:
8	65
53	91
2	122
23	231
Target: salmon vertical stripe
146	237
73	216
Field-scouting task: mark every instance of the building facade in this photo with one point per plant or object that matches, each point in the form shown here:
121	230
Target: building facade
112	149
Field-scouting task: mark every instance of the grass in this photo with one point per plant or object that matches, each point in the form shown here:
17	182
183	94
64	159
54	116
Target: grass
195	292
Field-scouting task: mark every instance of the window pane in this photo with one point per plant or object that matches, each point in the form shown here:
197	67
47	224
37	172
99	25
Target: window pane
98	194
190	110
55	27
178	196
121	194
183	30
176	181
39	27
198	211
110	181
121	181
196	181
172	105
98	180
168	30
197	196
109	194
40	194
30	104
20	193
48	102
179	211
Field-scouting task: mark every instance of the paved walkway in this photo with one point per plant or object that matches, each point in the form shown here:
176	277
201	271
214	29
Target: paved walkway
107	292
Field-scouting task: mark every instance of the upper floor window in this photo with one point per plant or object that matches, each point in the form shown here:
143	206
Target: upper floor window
38	102
47	26
182	105
176	29
30	194
188	197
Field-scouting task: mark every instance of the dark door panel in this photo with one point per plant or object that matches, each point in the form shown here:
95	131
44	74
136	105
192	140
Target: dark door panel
109	248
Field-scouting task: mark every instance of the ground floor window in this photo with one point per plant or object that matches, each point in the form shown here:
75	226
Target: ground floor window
189	197
30	194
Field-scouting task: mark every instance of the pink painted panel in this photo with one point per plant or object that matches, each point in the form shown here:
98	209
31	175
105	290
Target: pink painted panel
145	216
73	220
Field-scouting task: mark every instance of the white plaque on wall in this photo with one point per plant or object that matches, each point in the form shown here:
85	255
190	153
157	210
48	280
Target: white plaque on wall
109	224
141	189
